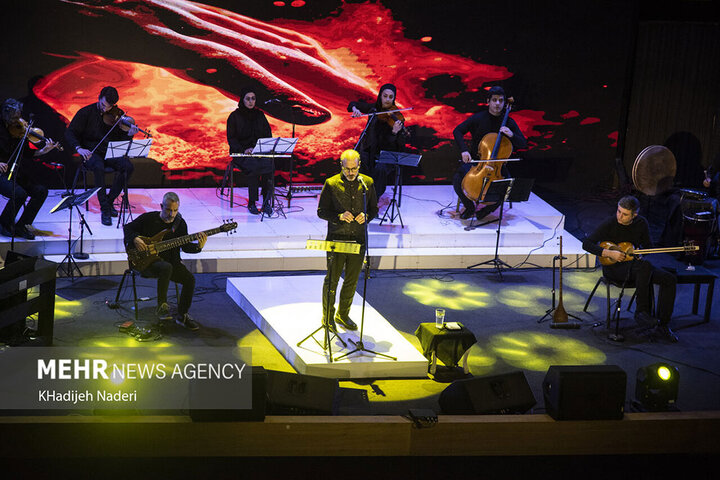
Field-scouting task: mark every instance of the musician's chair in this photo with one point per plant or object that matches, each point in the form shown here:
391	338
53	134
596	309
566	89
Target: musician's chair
608	283
229	179
132	272
83	170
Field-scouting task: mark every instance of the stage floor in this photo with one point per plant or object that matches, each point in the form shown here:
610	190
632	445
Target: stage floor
432	235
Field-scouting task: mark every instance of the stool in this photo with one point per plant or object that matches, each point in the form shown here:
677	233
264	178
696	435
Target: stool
229	179
607	282
450	346
132	272
83	170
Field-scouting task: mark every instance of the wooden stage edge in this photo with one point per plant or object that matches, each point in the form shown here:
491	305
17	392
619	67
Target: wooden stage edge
488	435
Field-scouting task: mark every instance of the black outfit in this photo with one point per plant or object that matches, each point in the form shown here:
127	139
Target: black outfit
480	124
244	127
169	267
378	137
641	272
86	130
338	196
24	186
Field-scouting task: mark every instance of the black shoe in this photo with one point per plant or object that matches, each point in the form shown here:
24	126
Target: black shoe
22	231
664	332
467	213
345	322
644	319
253	209
187	321
113	212
5	231
106	219
267	209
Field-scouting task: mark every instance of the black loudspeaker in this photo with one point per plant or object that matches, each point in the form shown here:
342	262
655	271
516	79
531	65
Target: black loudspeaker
496	394
592	392
295	394
254	414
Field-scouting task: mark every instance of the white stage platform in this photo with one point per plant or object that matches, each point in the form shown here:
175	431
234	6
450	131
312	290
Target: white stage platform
298	315
427	241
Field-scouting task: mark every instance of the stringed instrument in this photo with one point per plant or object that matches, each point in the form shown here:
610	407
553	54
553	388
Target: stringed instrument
560	315
492	147
141	259
629	250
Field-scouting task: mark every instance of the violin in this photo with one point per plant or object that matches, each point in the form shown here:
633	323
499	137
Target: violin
493	146
125	122
392	116
35	135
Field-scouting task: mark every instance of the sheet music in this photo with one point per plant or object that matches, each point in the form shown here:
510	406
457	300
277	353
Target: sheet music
137	148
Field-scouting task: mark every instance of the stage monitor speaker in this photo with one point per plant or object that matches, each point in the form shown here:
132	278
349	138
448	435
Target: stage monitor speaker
585	392
495	394
254	414
295	394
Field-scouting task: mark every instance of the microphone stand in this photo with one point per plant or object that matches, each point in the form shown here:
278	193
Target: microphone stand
359	345
18	158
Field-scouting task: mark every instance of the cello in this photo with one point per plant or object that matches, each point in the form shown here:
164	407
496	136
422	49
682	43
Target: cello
492	147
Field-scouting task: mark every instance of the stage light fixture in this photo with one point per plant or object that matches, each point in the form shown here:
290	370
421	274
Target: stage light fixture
656	387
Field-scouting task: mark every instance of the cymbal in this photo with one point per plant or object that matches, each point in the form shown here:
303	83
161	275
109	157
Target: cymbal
654	170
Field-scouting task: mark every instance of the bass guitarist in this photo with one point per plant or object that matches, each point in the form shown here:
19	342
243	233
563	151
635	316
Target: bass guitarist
628	226
168	266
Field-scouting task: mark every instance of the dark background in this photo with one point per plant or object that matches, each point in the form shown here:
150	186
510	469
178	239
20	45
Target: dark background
645	70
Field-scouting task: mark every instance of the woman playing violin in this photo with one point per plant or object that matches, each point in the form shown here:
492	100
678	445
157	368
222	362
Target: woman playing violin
87	134
11	134
479	125
385	132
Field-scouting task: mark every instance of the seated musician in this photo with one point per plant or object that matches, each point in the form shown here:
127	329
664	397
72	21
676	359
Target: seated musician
88	135
11	134
245	125
628	226
479	125
168	266
383	133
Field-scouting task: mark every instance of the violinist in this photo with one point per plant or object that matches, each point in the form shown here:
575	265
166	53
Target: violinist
12	131
87	134
479	125
385	132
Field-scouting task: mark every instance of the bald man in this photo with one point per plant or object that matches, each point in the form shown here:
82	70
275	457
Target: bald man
341	205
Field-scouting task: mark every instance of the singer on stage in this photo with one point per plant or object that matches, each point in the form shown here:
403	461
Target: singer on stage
245	125
341	205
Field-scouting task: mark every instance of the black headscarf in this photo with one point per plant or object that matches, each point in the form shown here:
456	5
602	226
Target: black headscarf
249	112
378	102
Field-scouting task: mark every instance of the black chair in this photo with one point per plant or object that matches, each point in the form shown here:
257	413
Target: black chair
607	282
82	169
132	272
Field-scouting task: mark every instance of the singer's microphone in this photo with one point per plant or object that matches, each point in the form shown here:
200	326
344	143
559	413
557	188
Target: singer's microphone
272	100
362	181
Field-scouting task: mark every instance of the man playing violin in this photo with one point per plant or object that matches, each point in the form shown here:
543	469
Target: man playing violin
12	132
385	132
479	125
88	134
628	226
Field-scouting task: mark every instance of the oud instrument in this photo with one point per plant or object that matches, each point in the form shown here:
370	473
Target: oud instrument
141	259
492	147
630	252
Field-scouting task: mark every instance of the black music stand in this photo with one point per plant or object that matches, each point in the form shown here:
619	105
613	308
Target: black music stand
506	190
273	147
127	149
68	203
327	323
397	160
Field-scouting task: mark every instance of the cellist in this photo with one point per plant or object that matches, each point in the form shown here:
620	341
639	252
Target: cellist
479	125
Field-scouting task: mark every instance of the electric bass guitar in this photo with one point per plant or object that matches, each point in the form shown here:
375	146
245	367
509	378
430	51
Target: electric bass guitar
141	259
630	252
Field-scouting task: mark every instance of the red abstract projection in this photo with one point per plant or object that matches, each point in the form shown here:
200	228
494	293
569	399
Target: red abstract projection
317	66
